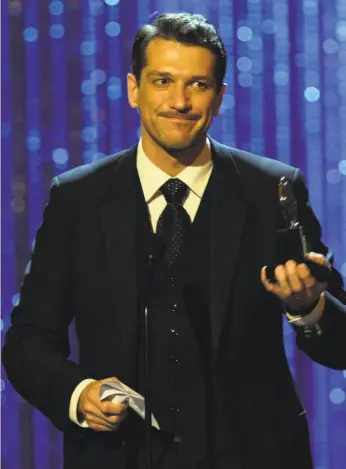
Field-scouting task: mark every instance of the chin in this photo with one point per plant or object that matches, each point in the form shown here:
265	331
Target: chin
178	145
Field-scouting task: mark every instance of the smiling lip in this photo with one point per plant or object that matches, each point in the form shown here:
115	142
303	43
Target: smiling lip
179	119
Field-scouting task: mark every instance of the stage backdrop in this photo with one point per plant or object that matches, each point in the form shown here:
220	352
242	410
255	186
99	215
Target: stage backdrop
64	103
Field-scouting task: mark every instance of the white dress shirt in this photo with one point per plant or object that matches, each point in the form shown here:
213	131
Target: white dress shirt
196	177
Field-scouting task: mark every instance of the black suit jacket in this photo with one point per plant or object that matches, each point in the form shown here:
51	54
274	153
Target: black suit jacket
83	266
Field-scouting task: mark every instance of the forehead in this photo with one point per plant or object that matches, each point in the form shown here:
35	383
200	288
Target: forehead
175	57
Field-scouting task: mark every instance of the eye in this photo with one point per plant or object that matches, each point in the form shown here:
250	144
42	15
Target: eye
161	81
200	85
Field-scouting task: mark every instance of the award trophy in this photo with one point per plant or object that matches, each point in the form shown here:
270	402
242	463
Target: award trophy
291	241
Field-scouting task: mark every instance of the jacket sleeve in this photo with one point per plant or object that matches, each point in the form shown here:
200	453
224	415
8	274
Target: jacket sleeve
36	347
329	349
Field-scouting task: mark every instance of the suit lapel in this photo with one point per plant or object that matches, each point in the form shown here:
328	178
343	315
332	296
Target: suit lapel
228	215
119	225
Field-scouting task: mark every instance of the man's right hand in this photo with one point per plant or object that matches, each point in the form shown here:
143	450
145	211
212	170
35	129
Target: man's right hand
100	416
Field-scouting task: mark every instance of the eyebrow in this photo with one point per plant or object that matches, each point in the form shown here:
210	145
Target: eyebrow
169	75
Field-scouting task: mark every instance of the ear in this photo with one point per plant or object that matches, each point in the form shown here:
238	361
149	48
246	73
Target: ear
132	90
219	99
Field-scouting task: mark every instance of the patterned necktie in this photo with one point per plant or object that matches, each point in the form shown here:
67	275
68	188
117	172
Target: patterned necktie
174	220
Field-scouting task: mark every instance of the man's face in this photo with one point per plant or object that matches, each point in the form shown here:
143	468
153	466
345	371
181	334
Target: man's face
177	96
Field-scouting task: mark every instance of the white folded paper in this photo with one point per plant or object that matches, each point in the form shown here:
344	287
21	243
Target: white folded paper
118	392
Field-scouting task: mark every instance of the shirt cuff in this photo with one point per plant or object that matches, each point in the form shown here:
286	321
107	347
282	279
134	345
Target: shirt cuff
73	414
311	318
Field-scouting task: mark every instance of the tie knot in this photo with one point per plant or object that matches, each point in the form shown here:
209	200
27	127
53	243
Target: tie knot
174	191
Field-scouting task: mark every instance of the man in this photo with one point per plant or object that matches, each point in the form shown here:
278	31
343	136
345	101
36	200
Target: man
221	388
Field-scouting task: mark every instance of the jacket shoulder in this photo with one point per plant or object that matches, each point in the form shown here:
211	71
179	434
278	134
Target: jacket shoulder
93	171
251	164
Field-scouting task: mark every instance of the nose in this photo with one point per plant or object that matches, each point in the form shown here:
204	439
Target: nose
179	99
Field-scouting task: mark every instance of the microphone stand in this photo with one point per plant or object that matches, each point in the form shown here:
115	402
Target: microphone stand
157	249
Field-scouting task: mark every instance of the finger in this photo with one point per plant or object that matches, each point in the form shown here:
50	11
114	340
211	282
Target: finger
102	428
318	258
305	275
293	277
93	412
93	420
112	408
267	283
282	280
117	419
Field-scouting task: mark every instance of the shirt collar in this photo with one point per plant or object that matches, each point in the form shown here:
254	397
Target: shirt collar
195	176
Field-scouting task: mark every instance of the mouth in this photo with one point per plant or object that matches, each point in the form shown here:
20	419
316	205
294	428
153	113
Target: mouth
184	120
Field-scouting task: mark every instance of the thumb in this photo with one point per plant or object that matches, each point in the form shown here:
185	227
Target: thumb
106	380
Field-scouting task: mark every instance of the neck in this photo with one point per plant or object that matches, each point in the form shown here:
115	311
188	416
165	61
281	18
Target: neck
173	162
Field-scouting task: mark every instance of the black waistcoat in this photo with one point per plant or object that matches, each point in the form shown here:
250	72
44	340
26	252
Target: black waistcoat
193	426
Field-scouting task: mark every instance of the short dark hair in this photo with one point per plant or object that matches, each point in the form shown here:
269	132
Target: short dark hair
186	28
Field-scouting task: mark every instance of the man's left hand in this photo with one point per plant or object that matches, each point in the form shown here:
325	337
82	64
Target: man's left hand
295	285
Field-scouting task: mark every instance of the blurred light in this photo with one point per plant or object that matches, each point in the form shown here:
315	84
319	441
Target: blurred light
228	101
96	8
89	134
56	8
33	143
333	176
342	167
114	81
257	66
88	87
2	325
88	48
256	43
5	129
244	64
337	396
269	26
56	31
245	79
111	2
30	34
98	156
114	92
344	373
15	299
18	188
281	78
244	34
112	29
312	94
310	7
98	76
341	30
60	156
280	9
330	46
2	385
15	7
88	103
